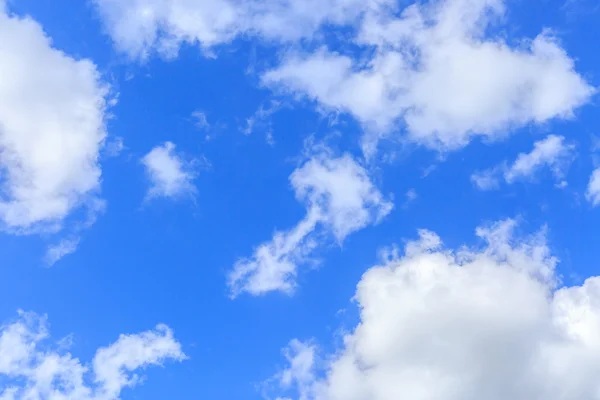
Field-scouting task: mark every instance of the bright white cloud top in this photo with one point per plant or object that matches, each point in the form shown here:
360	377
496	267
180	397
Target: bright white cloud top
52	126
339	198
31	370
170	175
467	324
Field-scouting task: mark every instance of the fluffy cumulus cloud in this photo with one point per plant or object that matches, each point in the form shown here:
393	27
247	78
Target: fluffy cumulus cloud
141	27
170	175
52	126
32	370
552	152
490	323
339	198
437	71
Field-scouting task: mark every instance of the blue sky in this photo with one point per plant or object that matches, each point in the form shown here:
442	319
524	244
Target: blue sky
273	180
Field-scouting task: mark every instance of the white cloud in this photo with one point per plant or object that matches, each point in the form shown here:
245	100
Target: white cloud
114	147
433	69
200	120
273	266
61	249
437	72
342	191
140	27
169	174
340	199
411	195
593	190
52	126
31	370
201	123
261	117
468	324
301	358
551	152
486	180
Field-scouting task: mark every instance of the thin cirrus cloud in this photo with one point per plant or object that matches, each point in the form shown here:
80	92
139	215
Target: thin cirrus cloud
552	152
170	175
52	127
490	323
339	198
32	370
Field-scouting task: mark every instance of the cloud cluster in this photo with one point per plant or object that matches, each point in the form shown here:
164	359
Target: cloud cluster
490	323
339	198
52	127
552	152
433	68
30	370
437	72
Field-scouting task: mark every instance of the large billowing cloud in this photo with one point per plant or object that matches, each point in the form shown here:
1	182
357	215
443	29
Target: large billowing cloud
339	198
436	72
52	126
31	370
471	324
